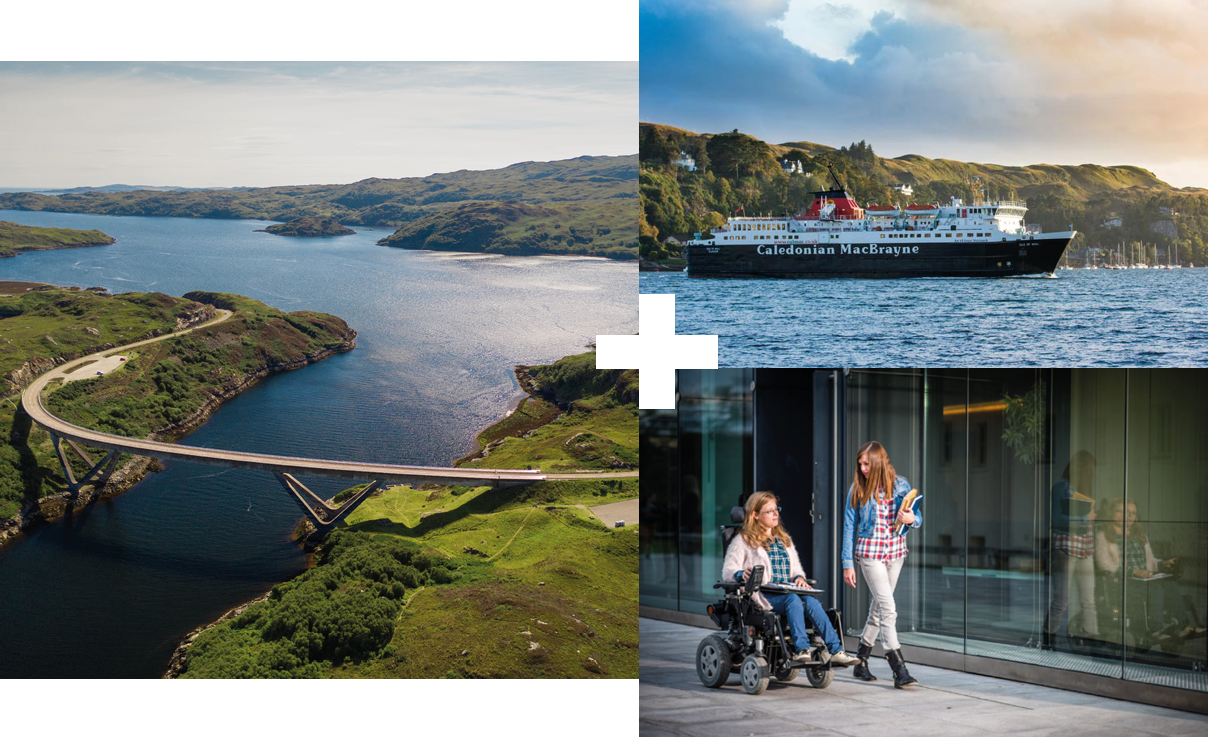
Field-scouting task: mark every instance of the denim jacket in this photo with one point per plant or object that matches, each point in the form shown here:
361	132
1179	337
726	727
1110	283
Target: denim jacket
868	519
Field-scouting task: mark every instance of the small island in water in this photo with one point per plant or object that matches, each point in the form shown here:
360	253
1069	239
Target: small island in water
15	238
308	227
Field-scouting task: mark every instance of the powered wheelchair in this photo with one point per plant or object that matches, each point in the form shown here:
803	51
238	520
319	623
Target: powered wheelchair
755	642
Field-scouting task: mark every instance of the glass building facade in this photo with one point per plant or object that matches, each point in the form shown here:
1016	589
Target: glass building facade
1051	496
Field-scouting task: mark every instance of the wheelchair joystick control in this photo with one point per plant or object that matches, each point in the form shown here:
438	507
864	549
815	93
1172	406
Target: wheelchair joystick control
754	580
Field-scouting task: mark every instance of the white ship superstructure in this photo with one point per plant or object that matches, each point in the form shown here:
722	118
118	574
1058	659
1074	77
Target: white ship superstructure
838	238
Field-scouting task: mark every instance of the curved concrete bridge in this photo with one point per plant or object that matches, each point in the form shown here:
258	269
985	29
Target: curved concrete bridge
65	436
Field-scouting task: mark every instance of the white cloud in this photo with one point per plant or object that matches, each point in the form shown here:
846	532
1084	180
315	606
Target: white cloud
828	28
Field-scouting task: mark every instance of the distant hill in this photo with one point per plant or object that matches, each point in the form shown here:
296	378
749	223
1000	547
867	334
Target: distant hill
604	185
1106	204
588	227
106	188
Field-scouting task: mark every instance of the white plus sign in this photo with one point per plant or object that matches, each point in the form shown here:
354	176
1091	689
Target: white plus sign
656	351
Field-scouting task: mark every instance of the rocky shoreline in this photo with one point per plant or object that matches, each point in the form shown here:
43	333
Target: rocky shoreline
176	665
53	507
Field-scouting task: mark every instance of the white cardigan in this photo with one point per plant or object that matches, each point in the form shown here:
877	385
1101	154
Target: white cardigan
1107	555
741	556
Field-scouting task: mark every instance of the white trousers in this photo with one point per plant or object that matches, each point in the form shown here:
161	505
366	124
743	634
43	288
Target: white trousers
881	577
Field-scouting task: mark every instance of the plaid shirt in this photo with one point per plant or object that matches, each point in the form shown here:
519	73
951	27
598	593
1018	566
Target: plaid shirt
1076	545
1134	557
781	569
884	544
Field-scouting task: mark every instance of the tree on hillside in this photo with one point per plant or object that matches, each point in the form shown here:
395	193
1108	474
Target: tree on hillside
737	154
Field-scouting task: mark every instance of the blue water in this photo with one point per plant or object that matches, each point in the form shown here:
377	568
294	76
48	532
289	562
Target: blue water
109	591
1079	318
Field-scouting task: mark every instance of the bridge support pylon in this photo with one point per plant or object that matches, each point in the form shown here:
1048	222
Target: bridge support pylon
98	473
323	515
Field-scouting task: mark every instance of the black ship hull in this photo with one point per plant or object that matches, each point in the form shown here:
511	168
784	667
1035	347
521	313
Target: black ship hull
1037	254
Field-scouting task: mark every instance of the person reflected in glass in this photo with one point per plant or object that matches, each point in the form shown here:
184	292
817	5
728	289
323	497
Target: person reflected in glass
1122	548
874	505
1072	540
763	542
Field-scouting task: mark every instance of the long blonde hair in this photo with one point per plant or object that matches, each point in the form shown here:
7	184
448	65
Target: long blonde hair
880	475
755	534
1134	531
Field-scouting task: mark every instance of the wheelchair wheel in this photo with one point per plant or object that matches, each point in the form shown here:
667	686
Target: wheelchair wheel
820	677
713	661
754	674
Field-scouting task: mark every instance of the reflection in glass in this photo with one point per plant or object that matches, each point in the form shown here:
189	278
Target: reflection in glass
1024	473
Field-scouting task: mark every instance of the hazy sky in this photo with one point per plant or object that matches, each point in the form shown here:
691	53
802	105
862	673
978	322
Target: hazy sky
270	123
1034	81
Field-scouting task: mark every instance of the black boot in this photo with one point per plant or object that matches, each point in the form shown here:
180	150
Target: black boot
901	677
861	670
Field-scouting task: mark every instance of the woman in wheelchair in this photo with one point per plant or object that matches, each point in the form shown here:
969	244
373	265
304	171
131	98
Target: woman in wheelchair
1122	549
763	542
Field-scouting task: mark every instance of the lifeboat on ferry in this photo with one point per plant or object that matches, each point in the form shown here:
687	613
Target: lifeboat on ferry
882	211
913	209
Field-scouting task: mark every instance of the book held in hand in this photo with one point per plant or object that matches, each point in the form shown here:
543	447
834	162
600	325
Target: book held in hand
910	501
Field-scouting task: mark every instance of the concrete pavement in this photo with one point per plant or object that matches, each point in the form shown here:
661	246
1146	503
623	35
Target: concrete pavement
672	701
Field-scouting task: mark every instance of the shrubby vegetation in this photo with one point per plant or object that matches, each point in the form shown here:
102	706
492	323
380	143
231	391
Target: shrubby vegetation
736	170
343	609
167	382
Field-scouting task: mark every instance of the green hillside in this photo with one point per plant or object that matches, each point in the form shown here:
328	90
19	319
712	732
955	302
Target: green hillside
161	387
470	582
734	169
15	237
594	193
588	228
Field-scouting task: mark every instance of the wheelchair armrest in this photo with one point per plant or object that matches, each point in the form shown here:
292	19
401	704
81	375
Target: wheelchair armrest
729	587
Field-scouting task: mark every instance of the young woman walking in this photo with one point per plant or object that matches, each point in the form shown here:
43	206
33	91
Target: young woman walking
874	505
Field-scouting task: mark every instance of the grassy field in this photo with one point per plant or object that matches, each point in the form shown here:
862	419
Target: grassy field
522	582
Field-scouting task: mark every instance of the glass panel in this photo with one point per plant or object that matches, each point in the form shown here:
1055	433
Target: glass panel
941	554
715	444
658	584
1008	421
886	406
1167	496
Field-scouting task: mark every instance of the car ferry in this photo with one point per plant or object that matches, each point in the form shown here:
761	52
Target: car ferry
837	238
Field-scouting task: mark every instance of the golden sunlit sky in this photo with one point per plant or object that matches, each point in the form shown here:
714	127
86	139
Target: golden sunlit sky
1033	81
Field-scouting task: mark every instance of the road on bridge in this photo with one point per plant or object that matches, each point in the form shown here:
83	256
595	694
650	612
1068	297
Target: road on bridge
31	399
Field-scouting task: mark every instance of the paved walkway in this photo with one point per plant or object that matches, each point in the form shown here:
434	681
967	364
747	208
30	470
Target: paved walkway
672	701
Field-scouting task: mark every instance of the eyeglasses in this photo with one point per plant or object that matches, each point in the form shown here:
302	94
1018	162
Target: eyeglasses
769	511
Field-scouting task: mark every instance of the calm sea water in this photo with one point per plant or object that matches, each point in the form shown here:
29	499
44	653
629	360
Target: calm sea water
1079	318
109	591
